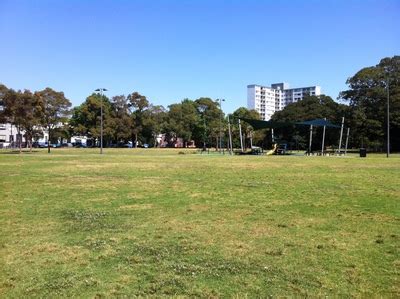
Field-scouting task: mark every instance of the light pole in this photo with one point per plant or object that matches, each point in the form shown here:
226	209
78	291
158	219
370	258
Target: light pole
230	136
202	109
388	119
220	124
386	70
101	90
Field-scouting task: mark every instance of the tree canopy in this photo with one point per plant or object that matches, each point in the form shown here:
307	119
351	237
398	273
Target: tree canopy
367	97
54	110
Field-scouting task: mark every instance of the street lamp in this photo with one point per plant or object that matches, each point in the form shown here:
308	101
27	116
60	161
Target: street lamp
220	124
101	90
388	118
387	73
202	109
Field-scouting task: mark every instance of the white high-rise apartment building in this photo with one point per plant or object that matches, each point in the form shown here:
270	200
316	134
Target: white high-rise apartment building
267	100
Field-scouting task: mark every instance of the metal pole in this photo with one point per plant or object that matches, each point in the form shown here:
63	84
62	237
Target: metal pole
388	120
347	141
309	145
101	90
205	133
323	140
272	135
241	137
12	142
341	135
101	122
220	124
230	136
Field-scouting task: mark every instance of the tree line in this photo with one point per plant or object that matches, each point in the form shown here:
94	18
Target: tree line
133	118
126	118
31	112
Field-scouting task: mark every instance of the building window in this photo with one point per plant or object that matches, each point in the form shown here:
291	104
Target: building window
2	126
2	138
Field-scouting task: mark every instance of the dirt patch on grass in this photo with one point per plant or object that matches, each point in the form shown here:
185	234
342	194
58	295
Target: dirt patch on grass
136	207
198	208
196	195
59	252
262	230
135	196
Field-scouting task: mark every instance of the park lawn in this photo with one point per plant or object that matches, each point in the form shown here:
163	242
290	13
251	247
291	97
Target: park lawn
172	222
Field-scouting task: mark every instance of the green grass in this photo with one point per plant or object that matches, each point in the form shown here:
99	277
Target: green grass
155	222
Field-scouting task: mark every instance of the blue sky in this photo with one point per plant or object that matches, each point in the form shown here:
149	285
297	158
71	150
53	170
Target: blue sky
170	50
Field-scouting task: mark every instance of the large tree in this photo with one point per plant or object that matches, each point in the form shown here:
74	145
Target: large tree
153	123
3	91
22	110
137	104
121	119
55	110
86	118
13	112
367	96
31	114
182	120
212	123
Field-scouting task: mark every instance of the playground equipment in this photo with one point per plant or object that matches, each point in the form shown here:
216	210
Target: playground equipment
273	150
282	148
260	124
278	149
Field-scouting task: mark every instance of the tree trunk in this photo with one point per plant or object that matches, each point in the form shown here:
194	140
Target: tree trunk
136	140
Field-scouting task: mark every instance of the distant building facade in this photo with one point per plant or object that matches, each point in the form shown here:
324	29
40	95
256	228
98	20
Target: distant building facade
267	100
9	136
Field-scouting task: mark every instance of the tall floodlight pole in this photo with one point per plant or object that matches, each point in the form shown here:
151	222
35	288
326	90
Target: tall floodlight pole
204	133
202	109
309	145
241	137
101	90
272	135
323	140
220	123
341	136
388	119
230	135
347	141
12	142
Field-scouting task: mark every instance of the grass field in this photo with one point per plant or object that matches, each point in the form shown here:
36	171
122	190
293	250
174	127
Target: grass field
155	222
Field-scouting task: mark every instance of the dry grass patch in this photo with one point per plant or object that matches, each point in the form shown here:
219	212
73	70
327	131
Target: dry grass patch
136	207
